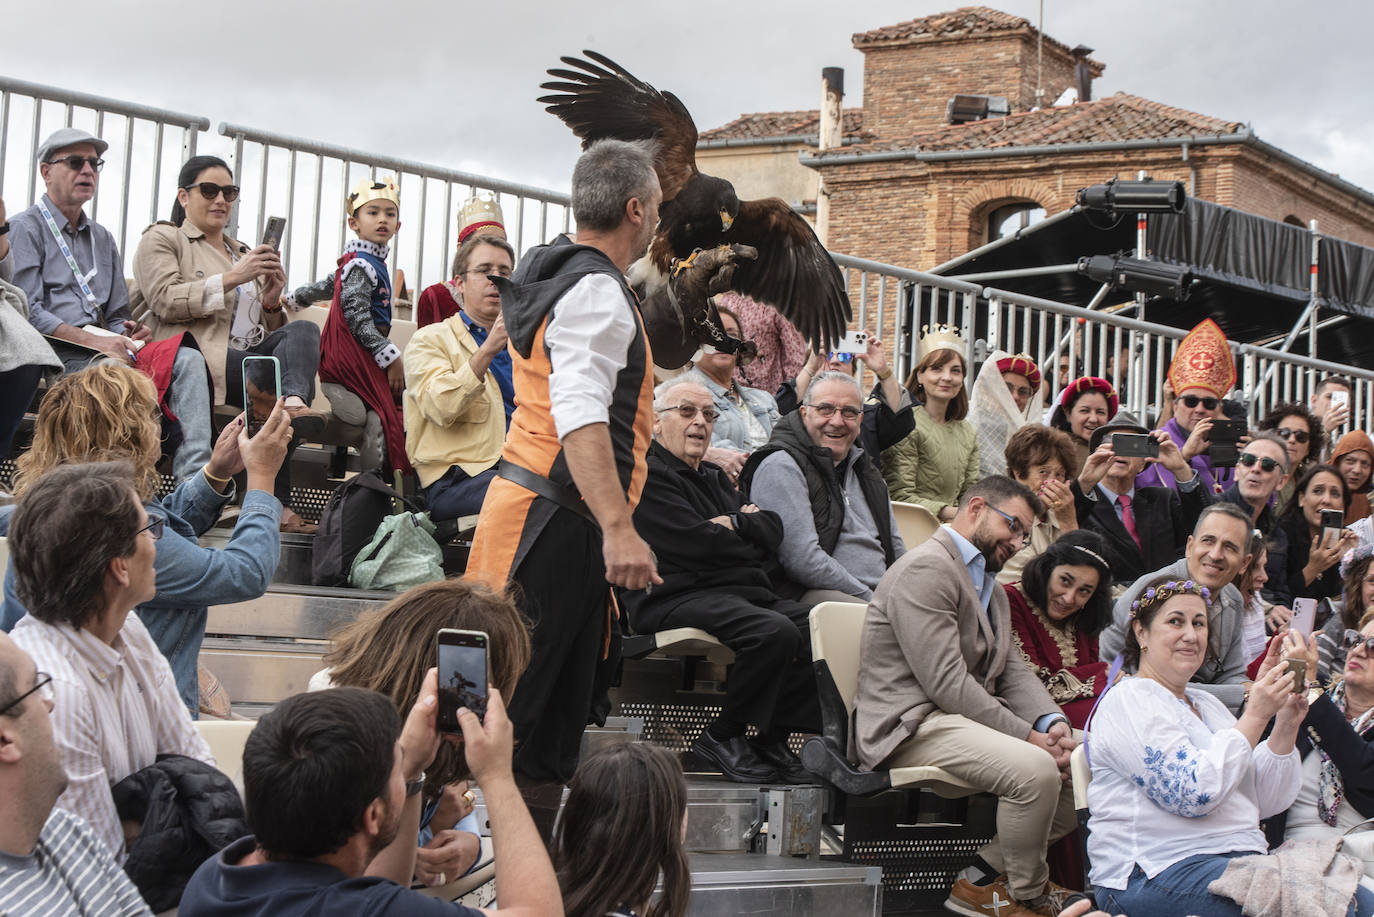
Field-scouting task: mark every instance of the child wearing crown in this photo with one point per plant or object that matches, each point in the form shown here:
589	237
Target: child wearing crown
355	351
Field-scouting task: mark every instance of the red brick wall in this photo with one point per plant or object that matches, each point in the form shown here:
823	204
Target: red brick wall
1273	189
907	86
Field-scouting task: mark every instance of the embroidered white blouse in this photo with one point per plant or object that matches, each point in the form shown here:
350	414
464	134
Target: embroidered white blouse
1167	785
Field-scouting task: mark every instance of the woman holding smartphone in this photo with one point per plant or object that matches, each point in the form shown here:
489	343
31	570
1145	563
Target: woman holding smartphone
1306	566
191	276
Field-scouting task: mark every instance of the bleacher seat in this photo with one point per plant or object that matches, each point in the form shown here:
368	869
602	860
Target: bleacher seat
467	887
226	739
915	522
680	641
836	628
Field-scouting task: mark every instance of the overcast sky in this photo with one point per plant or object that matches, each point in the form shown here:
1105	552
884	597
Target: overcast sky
453	82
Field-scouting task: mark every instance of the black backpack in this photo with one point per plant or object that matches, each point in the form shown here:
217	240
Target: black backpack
350	519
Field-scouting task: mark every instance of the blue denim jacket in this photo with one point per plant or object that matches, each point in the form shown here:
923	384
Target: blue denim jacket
731	431
191	578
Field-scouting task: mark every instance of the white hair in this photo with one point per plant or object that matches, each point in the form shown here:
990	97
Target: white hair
831	375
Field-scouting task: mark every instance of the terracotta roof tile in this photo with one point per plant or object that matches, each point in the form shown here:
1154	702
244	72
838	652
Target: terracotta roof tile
764	124
1117	117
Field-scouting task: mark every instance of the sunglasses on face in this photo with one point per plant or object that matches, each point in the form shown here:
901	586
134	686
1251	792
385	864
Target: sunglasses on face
76	163
1354	638
689	411
1249	460
1296	435
209	190
1192	401
836	357
1022	390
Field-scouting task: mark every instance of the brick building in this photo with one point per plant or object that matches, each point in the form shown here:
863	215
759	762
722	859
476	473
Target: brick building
909	187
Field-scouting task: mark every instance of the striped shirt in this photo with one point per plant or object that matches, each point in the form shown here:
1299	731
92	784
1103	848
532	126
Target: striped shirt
115	709
69	872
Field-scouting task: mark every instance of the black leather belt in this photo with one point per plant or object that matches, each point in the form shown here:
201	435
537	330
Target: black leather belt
566	497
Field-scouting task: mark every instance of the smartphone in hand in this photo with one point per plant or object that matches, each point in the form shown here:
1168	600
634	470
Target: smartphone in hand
261	389
274	232
1135	445
1304	617
462	675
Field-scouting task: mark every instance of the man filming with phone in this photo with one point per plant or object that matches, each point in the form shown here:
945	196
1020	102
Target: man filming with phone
1145	528
332	786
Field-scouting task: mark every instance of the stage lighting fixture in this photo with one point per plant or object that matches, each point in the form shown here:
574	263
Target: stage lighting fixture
1151	277
1147	196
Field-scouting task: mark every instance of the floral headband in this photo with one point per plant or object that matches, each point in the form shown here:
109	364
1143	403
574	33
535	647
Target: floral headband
1164	591
1354	556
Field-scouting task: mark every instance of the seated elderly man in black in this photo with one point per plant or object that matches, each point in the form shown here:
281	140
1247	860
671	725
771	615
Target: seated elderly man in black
714	552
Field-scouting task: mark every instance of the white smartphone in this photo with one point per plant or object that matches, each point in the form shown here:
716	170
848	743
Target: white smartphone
853	342
1304	617
1340	399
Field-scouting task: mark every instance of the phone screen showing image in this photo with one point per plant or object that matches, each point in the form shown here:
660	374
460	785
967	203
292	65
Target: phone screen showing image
261	388
462	676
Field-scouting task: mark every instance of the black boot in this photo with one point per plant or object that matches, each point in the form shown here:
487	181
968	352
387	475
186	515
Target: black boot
735	758
788	766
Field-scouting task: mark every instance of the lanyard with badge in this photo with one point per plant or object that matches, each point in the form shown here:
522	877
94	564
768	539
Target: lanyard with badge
71	259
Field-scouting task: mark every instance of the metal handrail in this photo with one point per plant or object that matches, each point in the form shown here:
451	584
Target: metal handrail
103	103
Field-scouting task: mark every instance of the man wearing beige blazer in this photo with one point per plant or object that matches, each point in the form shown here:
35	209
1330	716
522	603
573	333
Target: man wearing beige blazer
941	684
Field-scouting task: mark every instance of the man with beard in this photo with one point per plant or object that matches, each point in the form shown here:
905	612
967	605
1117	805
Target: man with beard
51	862
941	684
332	783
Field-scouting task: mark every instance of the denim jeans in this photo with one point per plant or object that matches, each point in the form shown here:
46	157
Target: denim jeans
179	632
1181	891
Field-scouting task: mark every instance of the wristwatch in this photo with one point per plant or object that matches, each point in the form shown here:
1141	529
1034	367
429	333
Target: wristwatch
416	785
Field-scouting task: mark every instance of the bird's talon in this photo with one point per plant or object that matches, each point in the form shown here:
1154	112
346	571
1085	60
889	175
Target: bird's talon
683	263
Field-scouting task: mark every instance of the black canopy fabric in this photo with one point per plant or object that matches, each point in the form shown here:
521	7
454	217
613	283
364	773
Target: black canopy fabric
1251	274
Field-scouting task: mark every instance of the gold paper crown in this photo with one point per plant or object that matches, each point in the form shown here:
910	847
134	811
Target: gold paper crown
941	337
381	189
1203	361
481	214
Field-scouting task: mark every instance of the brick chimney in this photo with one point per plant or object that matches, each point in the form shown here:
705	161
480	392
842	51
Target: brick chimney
912	69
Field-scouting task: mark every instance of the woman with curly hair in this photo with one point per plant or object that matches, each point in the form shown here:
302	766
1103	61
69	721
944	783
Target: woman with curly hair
1301	432
389	651
109	412
623	826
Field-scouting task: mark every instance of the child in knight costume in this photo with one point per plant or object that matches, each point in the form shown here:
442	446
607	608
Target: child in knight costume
355	351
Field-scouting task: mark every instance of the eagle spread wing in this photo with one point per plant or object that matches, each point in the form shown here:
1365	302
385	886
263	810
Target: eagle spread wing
607	102
794	273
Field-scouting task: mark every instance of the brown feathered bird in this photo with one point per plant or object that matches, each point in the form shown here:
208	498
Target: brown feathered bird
793	273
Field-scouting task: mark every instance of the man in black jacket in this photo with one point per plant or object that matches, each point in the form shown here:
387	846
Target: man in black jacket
1146	528
713	552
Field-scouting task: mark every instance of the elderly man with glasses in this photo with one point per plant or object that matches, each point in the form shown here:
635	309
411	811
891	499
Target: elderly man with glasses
459	394
82	549
70	269
839	535
942	684
51	862
714	552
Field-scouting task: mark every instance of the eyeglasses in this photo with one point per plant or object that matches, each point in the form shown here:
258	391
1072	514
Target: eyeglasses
1192	401
209	190
1013	524
486	270
42	686
1019	390
76	163
827	410
836	357
1354	638
689	411
1249	460
153	528
1296	435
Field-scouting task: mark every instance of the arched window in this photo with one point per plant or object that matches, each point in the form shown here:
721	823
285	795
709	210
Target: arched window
1011	218
1293	220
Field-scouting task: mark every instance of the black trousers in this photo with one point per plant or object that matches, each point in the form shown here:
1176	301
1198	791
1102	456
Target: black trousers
565	596
296	345
771	683
17	388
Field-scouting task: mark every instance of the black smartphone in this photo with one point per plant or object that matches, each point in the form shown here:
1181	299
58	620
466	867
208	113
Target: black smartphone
1135	445
462	675
1227	431
276	229
1333	520
261	389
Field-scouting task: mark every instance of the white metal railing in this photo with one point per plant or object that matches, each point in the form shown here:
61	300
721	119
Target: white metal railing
897	303
306	181
147	147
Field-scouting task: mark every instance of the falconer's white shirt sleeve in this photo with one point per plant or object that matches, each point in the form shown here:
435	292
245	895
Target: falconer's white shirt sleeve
588	339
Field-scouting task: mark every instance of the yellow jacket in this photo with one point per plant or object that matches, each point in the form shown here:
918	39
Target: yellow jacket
452	417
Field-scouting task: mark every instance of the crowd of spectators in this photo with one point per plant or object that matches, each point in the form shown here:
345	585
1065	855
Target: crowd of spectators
1074	590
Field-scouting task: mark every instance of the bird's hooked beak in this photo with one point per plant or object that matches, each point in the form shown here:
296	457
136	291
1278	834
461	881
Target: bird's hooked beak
726	221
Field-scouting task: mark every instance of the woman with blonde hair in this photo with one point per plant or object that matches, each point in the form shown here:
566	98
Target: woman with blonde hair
109	412
389	651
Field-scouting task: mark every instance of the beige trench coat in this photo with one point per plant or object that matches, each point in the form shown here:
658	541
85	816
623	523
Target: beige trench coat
178	278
